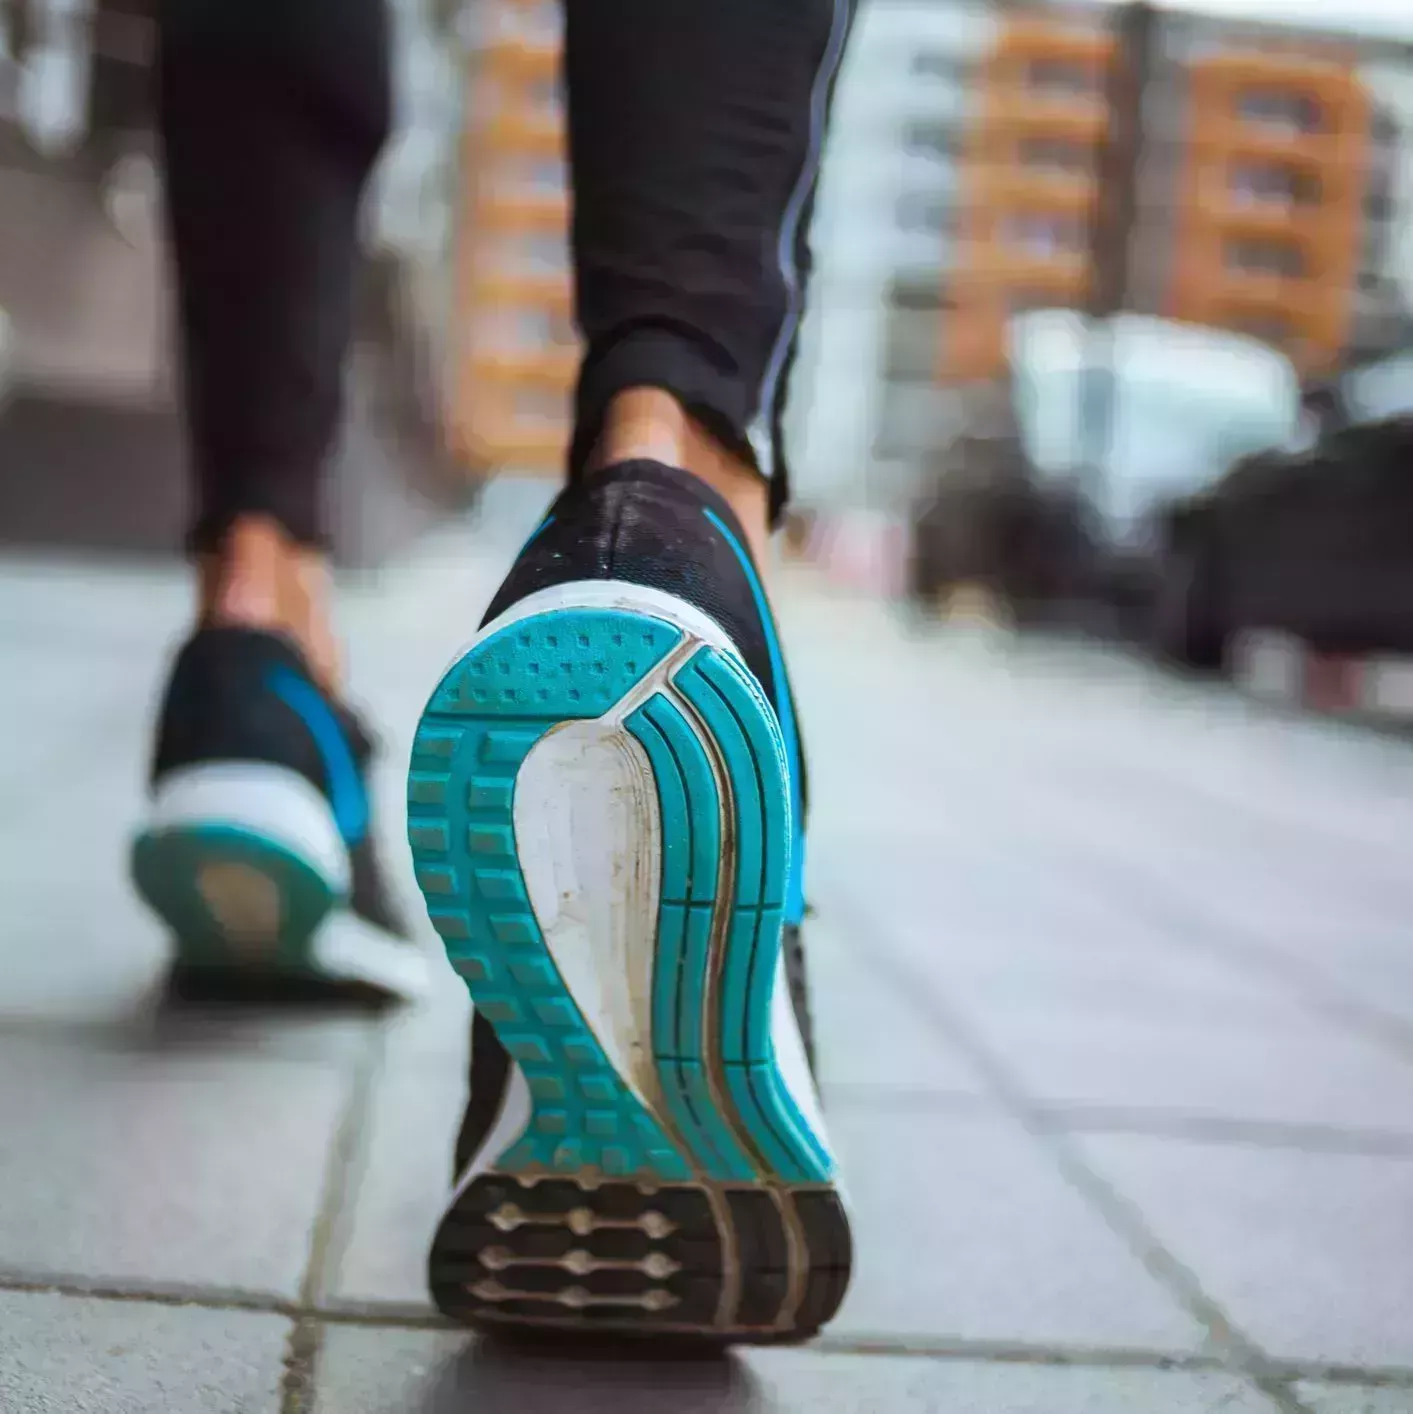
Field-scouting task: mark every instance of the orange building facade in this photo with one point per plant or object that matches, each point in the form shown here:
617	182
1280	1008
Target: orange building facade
1271	205
514	352
1029	183
1268	219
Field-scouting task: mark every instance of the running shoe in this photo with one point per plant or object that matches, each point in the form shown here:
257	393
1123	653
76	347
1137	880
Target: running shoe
259	853
604	807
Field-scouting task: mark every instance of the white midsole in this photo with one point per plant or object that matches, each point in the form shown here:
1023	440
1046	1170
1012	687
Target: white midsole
273	802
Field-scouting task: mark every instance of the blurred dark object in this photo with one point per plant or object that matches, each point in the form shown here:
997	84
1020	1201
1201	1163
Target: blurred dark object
120	95
988	520
1318	545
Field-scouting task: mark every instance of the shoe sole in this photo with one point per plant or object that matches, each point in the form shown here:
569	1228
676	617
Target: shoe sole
245	866
675	1186
243	861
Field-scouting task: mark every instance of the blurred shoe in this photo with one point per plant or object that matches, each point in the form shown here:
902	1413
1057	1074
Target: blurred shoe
604	801
259	852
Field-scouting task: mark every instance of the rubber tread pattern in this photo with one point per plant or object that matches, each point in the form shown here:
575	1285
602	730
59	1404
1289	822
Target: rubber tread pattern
580	1259
482	721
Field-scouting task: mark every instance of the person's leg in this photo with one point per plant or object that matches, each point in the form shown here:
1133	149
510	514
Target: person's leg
695	138
606	789
272	113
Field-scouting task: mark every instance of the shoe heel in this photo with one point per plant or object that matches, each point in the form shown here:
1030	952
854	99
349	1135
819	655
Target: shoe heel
650	1170
242	861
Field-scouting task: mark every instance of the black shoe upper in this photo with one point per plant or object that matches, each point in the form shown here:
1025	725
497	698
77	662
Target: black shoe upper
239	694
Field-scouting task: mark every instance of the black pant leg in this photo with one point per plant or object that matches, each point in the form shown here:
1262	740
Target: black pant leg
272	113
695	131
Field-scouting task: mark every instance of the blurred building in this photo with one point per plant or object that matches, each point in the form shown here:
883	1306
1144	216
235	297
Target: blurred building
1282	200
1030	181
865	399
1264	189
514	353
963	180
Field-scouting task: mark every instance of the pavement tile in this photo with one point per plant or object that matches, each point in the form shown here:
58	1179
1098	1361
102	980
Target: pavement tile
1355	1399
67	1355
404	1179
964	1228
92	964
57	706
1306	1252
1315	1076
436	1032
422	1372
92	605
866	1035
163	1167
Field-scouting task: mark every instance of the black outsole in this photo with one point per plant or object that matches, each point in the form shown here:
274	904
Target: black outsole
636	1261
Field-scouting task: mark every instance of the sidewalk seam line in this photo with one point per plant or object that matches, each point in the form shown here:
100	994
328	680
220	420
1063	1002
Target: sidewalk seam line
327	1241
941	1349
1120	1214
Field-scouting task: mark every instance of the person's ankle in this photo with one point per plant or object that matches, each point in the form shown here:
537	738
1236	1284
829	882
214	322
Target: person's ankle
650	424
259	578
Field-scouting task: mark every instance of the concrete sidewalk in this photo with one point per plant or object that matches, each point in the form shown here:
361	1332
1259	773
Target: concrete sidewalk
1114	981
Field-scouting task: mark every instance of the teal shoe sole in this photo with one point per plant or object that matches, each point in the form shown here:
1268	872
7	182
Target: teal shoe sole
233	899
716	1134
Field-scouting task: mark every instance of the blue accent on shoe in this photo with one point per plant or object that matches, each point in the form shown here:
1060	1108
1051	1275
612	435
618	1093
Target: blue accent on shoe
480	724
795	884
348	795
535	534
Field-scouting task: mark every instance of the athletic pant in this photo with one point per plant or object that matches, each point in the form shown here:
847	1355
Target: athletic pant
695	129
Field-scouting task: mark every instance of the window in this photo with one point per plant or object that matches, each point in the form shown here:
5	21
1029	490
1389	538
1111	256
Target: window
1265	257
1378	206
1055	156
542	98
1023	301
1046	234
1272	328
916	298
1273	184
938	67
1063	78
930	139
532	253
525	330
519	176
1291	112
925	214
